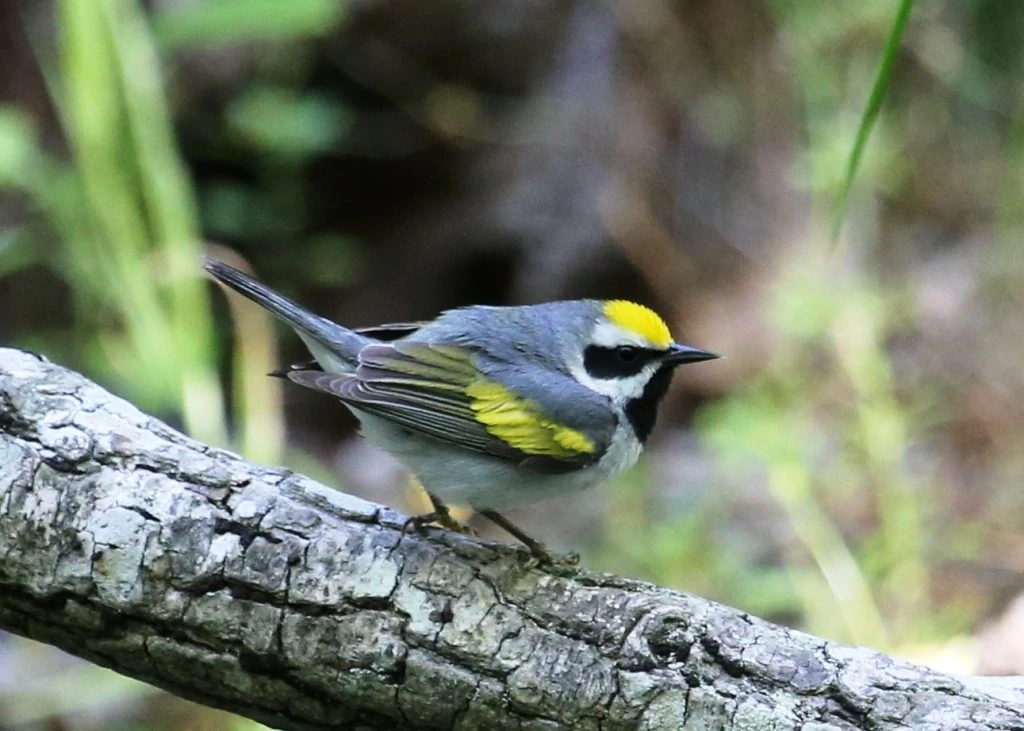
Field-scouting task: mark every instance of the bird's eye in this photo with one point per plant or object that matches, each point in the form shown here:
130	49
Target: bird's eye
627	353
621	361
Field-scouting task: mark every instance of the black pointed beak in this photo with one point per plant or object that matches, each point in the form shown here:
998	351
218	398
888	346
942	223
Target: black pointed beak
681	354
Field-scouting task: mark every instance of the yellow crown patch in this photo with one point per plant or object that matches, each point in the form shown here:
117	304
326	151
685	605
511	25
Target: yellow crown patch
641	320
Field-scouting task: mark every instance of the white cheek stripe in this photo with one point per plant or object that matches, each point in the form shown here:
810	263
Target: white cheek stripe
610	335
619	390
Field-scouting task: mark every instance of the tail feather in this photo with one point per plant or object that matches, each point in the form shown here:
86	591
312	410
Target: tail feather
335	347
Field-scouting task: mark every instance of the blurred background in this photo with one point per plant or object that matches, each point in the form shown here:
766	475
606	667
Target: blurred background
853	467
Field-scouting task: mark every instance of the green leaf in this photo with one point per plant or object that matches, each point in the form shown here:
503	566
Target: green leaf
17	147
870	115
279	121
17	251
241	21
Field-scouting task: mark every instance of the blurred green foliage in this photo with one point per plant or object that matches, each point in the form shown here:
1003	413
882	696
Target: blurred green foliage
244	21
831	426
124	213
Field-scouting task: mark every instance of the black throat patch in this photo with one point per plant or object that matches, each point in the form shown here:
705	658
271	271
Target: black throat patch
642	411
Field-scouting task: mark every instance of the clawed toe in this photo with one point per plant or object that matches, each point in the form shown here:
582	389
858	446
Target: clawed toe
438	518
539	555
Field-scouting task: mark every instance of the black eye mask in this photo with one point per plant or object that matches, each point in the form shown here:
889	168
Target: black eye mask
619	362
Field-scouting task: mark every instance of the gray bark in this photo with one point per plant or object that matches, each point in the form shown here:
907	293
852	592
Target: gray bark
259	591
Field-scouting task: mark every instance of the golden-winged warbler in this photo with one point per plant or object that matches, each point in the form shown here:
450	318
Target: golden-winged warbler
493	406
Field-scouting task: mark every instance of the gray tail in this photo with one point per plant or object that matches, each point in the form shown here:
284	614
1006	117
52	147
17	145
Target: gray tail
334	341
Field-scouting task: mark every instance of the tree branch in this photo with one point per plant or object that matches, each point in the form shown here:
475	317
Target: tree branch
259	591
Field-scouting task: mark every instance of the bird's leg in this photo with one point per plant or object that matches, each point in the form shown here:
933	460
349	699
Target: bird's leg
537	549
440	515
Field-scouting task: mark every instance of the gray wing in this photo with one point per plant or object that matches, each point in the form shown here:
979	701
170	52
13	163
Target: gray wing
438	391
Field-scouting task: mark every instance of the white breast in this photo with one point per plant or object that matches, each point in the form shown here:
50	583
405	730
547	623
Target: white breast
464	477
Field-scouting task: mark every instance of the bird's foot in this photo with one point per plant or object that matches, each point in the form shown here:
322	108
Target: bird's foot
440	518
540	556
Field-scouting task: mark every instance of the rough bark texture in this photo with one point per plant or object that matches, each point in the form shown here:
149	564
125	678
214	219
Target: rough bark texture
259	591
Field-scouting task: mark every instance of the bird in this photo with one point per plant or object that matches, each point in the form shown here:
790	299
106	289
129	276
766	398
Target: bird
493	406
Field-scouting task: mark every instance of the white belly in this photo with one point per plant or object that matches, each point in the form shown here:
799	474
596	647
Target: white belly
464	477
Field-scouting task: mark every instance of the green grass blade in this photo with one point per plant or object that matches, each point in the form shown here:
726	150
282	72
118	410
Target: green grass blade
168	202
870	115
127	215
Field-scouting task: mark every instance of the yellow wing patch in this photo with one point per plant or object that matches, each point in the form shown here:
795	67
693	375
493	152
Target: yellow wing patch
641	320
519	423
